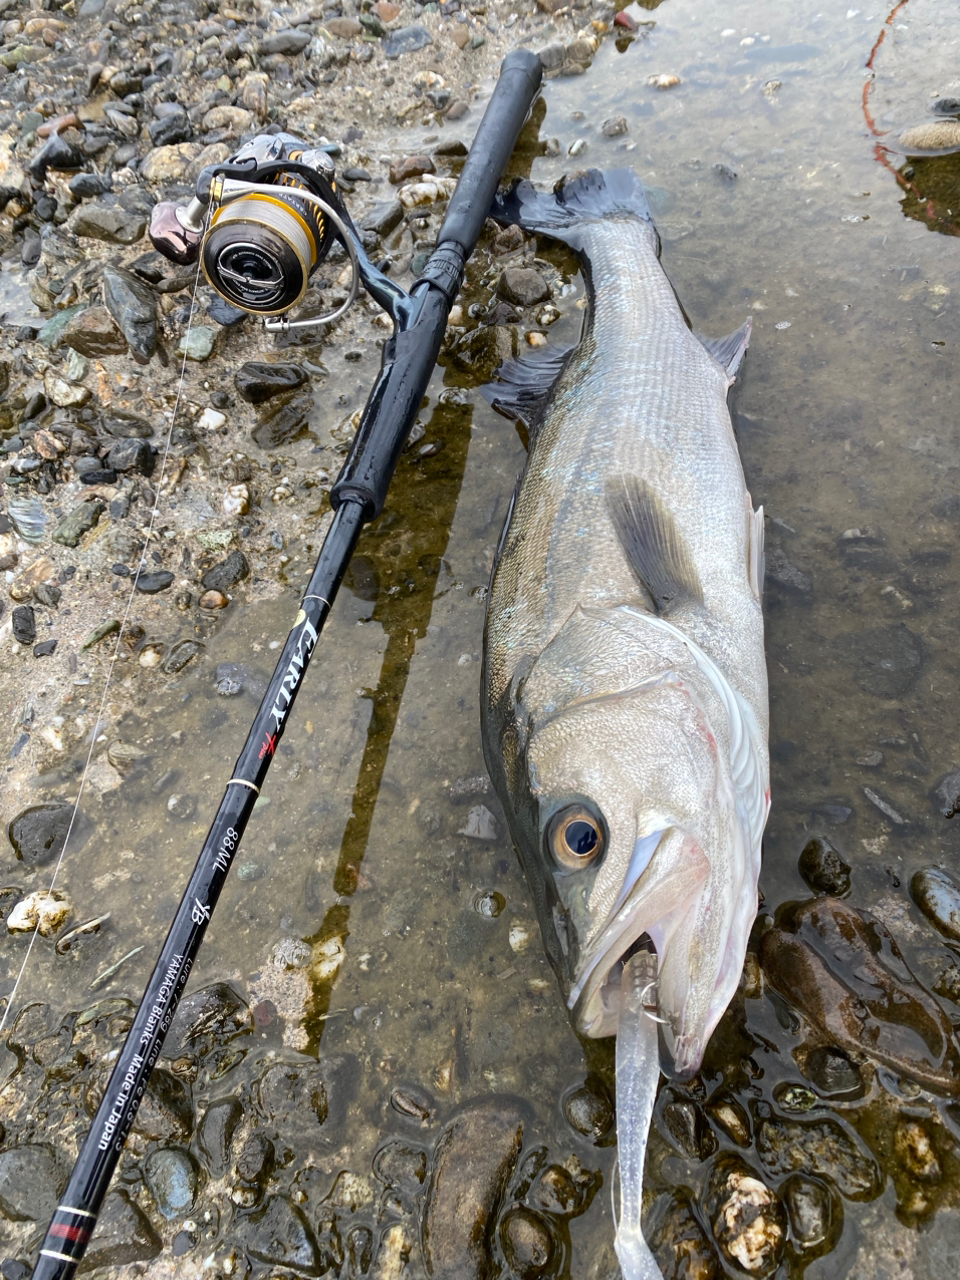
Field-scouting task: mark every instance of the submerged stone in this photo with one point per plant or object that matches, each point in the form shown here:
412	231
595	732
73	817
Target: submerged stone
37	833
29	1183
279	1235
819	1147
937	895
281	425
747	1217
406	40
887	660
172	1178
123	1235
824	869
259	380
133	306
679	1243
216	1133
842	969
526	1242
206	1019
811	1212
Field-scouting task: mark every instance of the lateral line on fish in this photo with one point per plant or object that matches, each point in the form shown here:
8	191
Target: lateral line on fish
95	733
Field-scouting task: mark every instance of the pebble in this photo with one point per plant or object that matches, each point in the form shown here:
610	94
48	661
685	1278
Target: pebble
282	425
110	223
258	381
198	343
224	576
131	454
915	1152
383	218
183	651
24	624
207	1020
937	895
406	40
747	1217
45	648
37	833
213	600
824	869
132	305
526	1242
663	81
411	167
123	1235
783	574
833	1073
933	137
171	1176
419	193
809	1206
216	1131
29	1183
182	806
615	127
64	394
45	911
823	1148
150	583
93	332
151	655
480	824
28	517
474	1157
211	420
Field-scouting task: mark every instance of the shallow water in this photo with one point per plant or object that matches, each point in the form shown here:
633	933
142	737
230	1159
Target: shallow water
772	204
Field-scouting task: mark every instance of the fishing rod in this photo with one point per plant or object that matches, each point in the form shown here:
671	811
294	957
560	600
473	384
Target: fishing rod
260	224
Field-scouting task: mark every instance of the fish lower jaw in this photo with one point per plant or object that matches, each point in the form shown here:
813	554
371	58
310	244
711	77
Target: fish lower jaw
596	1011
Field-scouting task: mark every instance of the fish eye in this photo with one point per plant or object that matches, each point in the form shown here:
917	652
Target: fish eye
575	838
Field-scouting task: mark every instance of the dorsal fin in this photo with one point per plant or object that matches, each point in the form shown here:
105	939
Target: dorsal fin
728	352
648	535
524	385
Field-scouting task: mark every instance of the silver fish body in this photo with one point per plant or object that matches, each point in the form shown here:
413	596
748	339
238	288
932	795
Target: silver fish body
624	696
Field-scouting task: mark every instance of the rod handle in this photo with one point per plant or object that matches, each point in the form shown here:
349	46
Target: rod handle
520	74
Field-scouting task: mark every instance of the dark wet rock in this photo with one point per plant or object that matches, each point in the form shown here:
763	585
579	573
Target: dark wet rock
411	167
171	129
24	624
131	454
38	832
279	1234
898	820
747	1217
45	648
397	1164
685	1126
94	333
842	969
819	1147
383	218
171	1176
99	475
887	660
205	1019
937	895
556	1191
225	575
526	1241
58	152
614	127
86	186
679	1243
523	286
29	1183
294	1095
108	222
216	1131
133	306
824	869
473	1160
289	42
166	1112
782	574
123	1235
415	1104
947	794
406	40
224	313
256	1162
152	582
79	521
47	594
589	1112
484	349
280	426
183	651
833	1073
814	1219
730	1117
359	1249
258	380
120	423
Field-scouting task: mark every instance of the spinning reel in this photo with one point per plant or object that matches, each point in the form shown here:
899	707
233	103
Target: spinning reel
261	223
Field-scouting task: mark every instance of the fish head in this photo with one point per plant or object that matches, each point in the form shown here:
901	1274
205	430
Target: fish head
634	825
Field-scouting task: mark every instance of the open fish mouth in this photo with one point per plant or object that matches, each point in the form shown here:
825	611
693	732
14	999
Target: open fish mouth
595	999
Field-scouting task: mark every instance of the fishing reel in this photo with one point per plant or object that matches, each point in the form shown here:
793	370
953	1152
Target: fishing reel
261	223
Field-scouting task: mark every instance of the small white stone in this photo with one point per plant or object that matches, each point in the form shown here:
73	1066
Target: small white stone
236	501
480	824
328	958
44	911
519	937
211	419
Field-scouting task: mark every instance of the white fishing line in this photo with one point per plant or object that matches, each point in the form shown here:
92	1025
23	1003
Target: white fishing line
116	652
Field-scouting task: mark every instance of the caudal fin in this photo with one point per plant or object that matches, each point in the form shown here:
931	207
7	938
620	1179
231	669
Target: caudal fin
585	197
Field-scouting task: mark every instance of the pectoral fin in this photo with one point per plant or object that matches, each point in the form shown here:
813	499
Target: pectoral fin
649	537
729	351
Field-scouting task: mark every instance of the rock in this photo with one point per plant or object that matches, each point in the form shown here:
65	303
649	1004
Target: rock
411	167
280	426
28	517
198	343
783	574
131	454
557	1192
253	94
295	1095
58	152
169	163
833	1073
120	423
397	1164
937	895
822	1148
170	130
181	805
24	624
207	1019
29	1183
686	1126
887	660
230	119
225	575
480	824
823	868
166	1112
213	600
171	1177
842	969
946	794
123	1235
526	1242
216	1133
64	394
589	1112
110	223
279	1235
37	833
615	127
383	218
150	583
473	1160
93	332
730	1116
73	526
679	1242
87	186
46	911
523	286
133	306
406	40
183	651
258	380
344	28
747	1218
484	349
289	42
915	1152
811	1212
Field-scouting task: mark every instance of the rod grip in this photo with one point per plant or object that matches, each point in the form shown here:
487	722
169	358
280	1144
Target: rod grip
520	74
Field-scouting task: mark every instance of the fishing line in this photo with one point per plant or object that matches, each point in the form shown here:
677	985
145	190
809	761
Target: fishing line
95	733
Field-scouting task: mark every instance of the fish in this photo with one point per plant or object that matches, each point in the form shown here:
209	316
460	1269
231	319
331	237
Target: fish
624	708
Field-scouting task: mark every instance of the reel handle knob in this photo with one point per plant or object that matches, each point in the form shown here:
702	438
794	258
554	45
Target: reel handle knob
176	230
